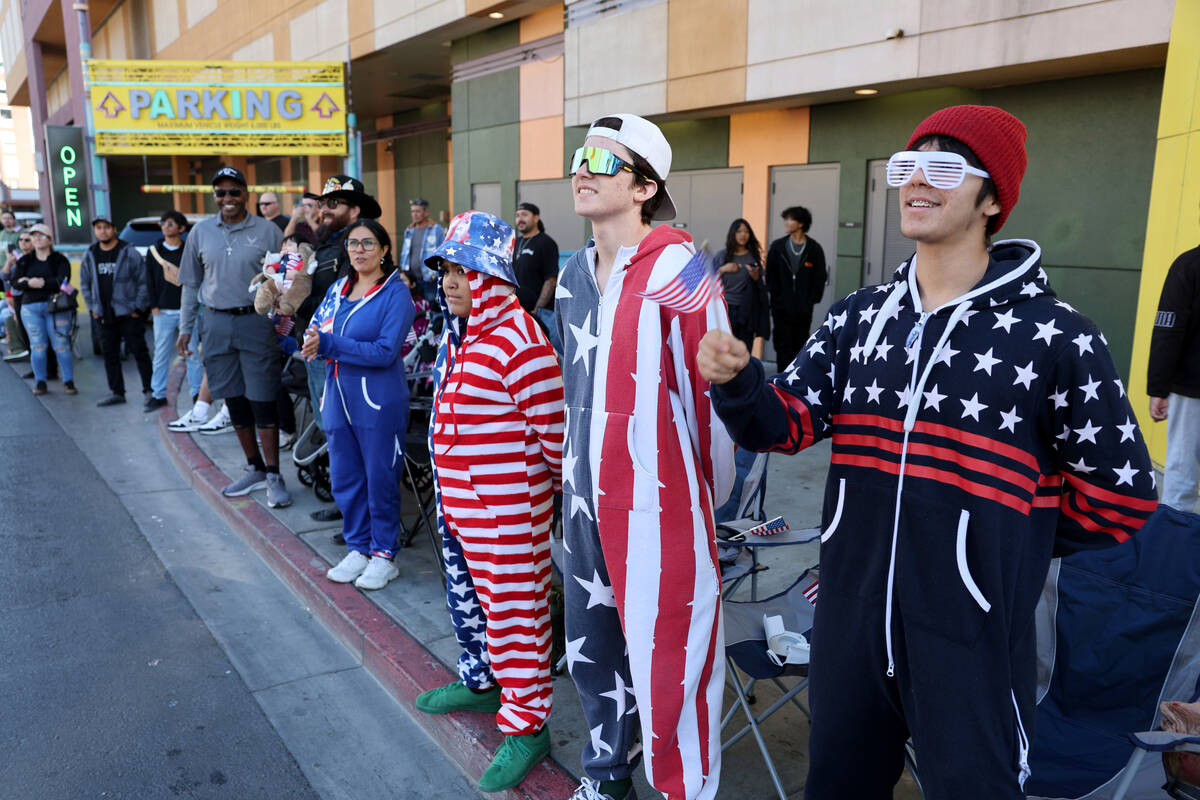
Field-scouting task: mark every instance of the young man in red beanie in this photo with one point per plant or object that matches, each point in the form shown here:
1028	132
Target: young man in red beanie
979	427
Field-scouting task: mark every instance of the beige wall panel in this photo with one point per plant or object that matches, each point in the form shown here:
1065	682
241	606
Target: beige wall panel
261	49
198	10
713	89
621	57
542	148
642	100
835	69
1094	28
397	20
165	14
321	32
283	44
705	36
943	14
780	30
542	89
541	24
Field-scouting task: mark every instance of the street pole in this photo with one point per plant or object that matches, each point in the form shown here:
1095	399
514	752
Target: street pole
99	169
353	142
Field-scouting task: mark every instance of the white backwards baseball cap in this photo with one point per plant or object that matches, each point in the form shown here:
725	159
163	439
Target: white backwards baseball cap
643	137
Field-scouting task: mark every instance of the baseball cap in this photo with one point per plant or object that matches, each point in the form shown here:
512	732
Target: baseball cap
98	220
530	207
231	173
41	227
641	136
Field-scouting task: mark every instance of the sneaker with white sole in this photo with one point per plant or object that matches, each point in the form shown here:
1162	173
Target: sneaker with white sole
277	493
218	424
187	423
379	572
251	480
348	568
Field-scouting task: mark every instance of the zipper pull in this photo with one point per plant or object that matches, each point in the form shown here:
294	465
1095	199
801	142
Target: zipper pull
916	330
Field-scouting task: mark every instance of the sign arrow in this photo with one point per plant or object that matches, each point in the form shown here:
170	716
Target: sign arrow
110	105
325	106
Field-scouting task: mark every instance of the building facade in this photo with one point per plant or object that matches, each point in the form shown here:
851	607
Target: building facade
767	104
18	174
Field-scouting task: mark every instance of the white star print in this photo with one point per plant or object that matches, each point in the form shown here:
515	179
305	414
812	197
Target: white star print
985	361
473	620
561	292
1088	433
568	467
1125	474
1025	375
1084	343
881	350
1009	419
947	353
817	346
848	393
579	504
598	744
867	314
454	572
873	391
904	397
1061	304
856	352
462	590
1089	389
584	342
1120	387
1046	330
466	606
618	693
839	320
910	353
599	594
1081	466
1031	289
934	399
1127	429
972	407
1066	431
1005	320
813	397
575	653
1059	398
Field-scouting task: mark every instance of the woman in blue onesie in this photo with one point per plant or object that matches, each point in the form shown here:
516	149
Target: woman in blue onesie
360	330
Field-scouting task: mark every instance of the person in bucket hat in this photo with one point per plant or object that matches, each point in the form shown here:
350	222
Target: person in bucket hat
979	428
496	437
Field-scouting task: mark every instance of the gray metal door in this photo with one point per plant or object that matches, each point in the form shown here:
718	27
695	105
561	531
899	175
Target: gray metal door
486	197
554	199
886	246
814	186
706	202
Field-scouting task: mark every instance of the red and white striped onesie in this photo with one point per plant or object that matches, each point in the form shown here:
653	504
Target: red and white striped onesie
497	448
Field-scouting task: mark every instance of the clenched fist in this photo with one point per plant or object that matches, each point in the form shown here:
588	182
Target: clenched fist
721	356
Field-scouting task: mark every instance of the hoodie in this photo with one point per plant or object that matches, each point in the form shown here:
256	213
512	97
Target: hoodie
971	442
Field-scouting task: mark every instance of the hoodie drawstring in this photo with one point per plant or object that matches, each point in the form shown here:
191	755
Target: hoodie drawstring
882	316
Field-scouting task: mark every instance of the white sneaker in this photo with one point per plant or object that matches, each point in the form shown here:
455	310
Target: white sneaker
348	568
378	573
187	423
218	424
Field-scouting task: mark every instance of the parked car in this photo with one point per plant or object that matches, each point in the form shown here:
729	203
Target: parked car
141	232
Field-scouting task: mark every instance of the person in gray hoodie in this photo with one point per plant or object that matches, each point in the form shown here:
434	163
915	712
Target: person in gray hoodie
113	281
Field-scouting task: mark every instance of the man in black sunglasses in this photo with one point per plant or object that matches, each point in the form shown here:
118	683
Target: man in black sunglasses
241	353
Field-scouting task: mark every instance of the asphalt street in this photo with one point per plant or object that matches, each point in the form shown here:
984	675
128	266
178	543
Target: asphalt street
146	652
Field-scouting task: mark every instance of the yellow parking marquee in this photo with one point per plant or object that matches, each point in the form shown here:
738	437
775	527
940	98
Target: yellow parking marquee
216	108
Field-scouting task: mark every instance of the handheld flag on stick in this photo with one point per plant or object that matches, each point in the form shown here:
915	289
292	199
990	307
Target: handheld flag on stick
66	287
694	286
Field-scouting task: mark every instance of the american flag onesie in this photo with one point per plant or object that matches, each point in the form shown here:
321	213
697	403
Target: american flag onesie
496	437
971	442
646	463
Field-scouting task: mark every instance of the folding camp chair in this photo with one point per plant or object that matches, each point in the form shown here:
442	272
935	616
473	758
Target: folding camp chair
1118	633
418	471
746	653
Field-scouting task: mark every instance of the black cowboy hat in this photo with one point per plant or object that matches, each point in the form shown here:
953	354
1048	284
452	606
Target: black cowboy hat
343	187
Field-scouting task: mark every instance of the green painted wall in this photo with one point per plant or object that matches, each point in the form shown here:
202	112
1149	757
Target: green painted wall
1085	194
486	114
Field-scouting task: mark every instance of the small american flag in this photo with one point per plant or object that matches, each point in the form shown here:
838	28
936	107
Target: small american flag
811	592
769	528
692	288
66	288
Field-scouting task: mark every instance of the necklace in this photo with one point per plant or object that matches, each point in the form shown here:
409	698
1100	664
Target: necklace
797	253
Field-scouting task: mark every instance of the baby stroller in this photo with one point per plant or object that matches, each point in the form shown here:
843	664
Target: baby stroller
310	454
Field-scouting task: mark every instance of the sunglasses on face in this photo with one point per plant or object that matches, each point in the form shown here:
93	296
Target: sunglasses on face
333	203
942	170
231	192
599	162
365	244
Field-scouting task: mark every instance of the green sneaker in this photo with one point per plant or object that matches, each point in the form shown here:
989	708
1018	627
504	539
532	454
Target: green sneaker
457	697
513	760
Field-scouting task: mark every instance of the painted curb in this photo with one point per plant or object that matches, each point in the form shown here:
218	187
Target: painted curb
398	661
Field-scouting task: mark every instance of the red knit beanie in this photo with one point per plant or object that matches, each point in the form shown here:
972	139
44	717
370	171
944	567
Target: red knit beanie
996	136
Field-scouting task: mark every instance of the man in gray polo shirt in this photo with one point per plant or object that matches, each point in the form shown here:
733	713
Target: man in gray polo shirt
241	352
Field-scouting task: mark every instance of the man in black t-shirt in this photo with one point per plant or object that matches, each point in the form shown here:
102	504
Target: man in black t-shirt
535	262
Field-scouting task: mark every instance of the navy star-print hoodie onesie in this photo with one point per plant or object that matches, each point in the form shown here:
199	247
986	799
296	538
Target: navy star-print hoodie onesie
971	443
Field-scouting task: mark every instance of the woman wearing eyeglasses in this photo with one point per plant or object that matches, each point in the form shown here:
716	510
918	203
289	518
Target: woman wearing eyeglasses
39	274
359	330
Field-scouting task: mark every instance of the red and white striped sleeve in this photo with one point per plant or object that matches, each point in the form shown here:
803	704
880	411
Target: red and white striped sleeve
534	380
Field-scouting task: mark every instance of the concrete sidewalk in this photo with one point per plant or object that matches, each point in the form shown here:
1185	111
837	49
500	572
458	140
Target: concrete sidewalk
402	633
